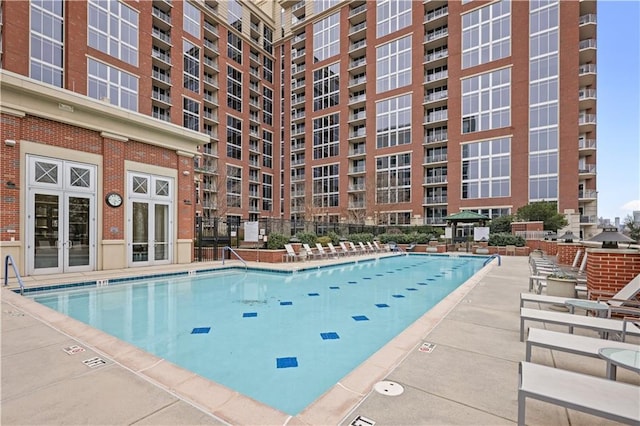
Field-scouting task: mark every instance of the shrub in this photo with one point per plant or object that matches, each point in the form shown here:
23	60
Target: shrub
276	241
505	239
307	238
364	237
335	238
325	240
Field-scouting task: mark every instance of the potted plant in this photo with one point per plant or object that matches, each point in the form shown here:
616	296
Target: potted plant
561	284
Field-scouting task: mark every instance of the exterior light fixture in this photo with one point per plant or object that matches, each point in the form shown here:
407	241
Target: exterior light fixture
610	237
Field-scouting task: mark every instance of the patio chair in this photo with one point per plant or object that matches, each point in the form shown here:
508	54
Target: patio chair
411	247
363	248
344	248
510	250
372	249
354	249
393	246
291	254
335	252
310	252
609	399
380	248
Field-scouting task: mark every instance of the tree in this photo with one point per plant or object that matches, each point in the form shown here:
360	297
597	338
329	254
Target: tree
545	211
633	227
501	224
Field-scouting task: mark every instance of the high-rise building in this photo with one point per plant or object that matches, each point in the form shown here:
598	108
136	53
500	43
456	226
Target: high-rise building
123	120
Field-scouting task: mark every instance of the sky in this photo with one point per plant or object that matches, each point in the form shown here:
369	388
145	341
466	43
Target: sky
618	108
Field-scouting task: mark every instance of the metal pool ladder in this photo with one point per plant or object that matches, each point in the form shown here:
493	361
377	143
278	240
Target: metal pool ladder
224	249
9	260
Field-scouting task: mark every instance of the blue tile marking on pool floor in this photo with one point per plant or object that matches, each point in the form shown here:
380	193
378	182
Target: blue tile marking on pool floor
201	330
398	296
366	278
249	314
287	362
334	287
360	318
313	294
286	303
382	305
411	289
353	282
329	335
421	283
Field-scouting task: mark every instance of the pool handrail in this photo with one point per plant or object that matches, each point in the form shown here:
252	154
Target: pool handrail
9	260
224	249
491	258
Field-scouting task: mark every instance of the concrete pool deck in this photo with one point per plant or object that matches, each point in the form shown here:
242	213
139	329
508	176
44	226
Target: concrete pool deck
470	376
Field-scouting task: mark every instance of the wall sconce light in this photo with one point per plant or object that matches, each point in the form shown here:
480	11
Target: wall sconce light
10	142
187	202
186	172
11	184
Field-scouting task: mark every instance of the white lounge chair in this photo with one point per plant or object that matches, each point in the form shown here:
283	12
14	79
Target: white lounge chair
609	399
322	251
372	249
335	252
291	254
354	249
380	248
310	253
605	325
364	249
344	248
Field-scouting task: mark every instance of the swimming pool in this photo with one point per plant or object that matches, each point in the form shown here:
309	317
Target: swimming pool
282	339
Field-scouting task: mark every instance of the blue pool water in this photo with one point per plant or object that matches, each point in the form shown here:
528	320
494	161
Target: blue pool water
282	339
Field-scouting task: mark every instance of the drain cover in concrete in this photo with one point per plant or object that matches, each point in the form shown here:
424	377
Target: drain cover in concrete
362	421
386	387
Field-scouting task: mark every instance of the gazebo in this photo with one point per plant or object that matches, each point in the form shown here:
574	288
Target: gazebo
465	216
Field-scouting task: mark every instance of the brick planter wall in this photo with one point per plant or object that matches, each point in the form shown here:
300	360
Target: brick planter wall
567	252
608	270
253	255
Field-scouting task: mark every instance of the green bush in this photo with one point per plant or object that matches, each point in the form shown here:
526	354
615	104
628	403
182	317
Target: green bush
276	241
334	237
325	240
413	237
360	238
307	238
505	239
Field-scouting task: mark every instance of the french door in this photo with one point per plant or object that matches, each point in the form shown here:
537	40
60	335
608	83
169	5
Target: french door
150	220
61	221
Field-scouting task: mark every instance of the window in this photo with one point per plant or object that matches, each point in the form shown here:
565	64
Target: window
234	138
326	38
320	6
392	15
47	41
486	169
395	218
267	40
191	66
267	149
393	65
267	192
393	179
234	88
486	101
267	106
191	114
113	29
106	82
234	186
326	188
235	14
393	122
326	139
267	69
486	34
191	19
234	47
326	87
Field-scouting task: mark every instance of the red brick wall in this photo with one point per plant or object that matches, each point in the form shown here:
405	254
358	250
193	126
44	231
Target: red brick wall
608	270
567	253
9	172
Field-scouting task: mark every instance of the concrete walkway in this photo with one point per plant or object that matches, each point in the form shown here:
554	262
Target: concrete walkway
470	376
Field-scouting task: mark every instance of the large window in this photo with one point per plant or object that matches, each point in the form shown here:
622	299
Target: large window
235	14
320	6
267	192
326	87
393	65
267	106
543	101
191	19
191	114
393	122
486	34
191	54
234	47
393	179
234	138
326	188
267	149
108	83
326	140
392	15
486	101
234	88
486	169
47	41
234	186
326	38
113	29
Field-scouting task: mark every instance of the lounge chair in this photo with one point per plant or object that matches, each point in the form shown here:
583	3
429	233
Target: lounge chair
393	246
322	251
344	248
335	252
622	297
355	249
381	249
605	325
372	249
363	248
609	399
291	254
310	252
411	247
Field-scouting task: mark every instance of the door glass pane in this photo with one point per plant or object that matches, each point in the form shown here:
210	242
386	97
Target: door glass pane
46	231
78	242
140	232
161	232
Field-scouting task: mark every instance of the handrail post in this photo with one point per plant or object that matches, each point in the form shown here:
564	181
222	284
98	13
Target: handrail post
224	249
9	260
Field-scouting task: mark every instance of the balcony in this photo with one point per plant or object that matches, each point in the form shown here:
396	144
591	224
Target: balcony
357	117
586	145
588	220
161	55
436	34
587	169
356	152
162	16
298	55
357	28
587	51
357	169
435	116
588	194
297	178
437	199
439	95
161	97
587	73
211	81
356	187
357	82
356	204
298	40
356	64
162	37
211	116
587	122
297	146
298	130
357	99
211	28
436	76
357	47
359	133
213	46
295	69
297	115
436	15
161	76
435	55
434	221
357	10
431	159
295	100
435	180
587	98
587	24
436	138
211	63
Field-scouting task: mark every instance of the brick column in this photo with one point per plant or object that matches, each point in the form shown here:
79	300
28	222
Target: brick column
608	270
567	252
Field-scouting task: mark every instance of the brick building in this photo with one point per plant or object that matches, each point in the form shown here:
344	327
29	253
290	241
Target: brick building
389	112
